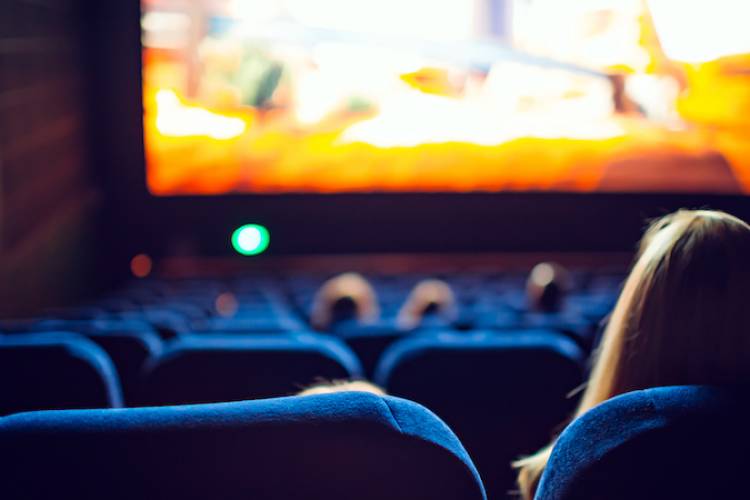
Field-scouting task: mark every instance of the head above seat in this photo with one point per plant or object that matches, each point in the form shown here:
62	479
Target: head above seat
686	442
333	446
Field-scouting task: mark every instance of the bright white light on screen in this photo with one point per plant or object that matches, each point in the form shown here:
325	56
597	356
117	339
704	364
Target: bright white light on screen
702	30
425	19
178	120
165	30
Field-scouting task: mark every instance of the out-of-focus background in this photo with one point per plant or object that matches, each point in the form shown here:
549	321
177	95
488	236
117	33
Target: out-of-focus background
340	96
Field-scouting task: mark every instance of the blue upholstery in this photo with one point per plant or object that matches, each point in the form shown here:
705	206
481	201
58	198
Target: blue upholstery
368	341
128	343
502	393
333	447
687	442
167	323
209	369
76	313
253	321
57	370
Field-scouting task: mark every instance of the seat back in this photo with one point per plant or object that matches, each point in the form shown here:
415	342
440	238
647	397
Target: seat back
128	343
332	446
54	371
504	394
207	369
687	442
368	341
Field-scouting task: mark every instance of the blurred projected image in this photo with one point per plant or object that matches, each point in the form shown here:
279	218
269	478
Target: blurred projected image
275	96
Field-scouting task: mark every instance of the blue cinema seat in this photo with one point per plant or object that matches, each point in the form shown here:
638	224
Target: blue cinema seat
684	442
167	323
333	447
210	369
368	341
128	343
41	371
503	393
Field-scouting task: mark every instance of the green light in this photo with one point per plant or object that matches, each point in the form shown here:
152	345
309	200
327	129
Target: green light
250	239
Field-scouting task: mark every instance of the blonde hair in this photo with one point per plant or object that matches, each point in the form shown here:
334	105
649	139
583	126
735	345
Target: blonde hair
342	386
681	317
426	293
348	285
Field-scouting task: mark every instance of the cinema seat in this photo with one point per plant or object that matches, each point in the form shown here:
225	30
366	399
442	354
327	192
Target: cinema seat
213	368
128	343
168	323
41	371
368	341
333	447
502	393
687	442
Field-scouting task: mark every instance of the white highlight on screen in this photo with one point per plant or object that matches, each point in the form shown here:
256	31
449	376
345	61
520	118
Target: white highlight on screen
702	30
179	120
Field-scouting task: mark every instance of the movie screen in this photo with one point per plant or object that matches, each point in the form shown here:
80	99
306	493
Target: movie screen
331	96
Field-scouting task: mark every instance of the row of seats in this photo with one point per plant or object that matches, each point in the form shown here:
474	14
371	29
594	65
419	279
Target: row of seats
499	372
131	341
503	394
253	366
671	442
266	305
166	309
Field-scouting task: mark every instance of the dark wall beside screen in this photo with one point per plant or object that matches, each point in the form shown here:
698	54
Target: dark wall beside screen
46	197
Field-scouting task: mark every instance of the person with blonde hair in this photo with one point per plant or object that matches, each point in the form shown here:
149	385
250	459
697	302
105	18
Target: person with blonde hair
681	318
426	295
352	287
335	386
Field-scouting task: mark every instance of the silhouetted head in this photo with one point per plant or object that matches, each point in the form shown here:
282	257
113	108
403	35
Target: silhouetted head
428	298
546	287
347	296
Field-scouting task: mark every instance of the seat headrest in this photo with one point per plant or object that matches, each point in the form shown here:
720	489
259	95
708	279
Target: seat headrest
503	393
473	364
213	368
686	442
55	370
331	446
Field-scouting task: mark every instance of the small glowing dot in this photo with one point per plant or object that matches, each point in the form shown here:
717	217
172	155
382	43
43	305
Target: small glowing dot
250	239
141	265
226	305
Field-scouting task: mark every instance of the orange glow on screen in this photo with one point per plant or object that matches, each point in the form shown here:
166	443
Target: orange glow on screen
250	96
